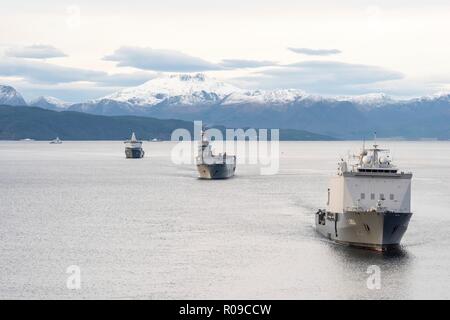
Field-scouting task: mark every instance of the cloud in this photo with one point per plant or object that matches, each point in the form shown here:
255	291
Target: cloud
242	63
39	72
125	79
159	60
315	52
42	72
175	61
37	51
322	77
341	72
71	92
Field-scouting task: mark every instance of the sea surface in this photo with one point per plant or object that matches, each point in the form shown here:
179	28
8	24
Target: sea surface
149	229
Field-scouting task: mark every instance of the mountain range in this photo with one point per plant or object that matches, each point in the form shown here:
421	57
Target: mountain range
198	97
41	124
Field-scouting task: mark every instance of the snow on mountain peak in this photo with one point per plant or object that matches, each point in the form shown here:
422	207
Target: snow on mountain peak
438	95
5	90
188	77
279	96
47	101
178	88
190	89
9	96
369	99
199	89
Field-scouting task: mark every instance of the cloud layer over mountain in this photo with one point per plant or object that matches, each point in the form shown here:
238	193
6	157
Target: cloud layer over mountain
243	63
322	77
37	51
159	60
315	52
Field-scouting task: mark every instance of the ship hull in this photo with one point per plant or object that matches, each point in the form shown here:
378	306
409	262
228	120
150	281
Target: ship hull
372	230
134	153
216	171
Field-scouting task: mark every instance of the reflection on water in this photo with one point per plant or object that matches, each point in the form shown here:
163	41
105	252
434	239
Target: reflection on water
150	229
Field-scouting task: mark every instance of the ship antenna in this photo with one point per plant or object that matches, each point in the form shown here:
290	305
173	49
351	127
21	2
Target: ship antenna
204	128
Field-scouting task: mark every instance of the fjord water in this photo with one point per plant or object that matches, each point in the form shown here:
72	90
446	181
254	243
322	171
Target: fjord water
148	228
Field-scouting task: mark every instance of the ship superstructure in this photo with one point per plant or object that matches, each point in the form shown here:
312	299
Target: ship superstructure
369	202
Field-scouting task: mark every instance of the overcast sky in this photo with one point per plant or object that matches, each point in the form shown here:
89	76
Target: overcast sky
77	50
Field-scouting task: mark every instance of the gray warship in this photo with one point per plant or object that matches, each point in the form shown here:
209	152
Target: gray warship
369	202
56	141
133	148
212	166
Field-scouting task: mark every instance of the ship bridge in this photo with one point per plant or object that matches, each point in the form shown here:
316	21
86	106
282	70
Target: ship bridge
370	182
370	162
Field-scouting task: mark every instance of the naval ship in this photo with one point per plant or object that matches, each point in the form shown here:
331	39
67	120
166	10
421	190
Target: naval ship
369	202
133	148
212	166
56	141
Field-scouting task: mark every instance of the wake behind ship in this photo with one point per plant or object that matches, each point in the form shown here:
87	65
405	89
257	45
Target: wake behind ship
369	204
133	148
212	166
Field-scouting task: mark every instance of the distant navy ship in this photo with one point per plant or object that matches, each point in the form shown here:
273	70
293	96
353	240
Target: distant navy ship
212	166
133	148
56	141
369	202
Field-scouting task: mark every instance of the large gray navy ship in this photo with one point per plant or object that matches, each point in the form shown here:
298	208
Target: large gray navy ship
133	148
212	166
369	202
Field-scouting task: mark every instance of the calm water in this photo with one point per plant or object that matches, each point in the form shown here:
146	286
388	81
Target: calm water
149	229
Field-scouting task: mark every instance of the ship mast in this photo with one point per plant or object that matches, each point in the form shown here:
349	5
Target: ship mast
203	144
375	159
202	147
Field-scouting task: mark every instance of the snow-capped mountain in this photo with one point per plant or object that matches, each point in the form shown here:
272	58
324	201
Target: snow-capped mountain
185	89
198	97
176	89
373	99
9	96
443	96
47	102
368	101
273	97
199	89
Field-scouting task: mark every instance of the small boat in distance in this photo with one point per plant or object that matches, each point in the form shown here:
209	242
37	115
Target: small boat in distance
369	202
133	148
56	141
27	139
212	166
